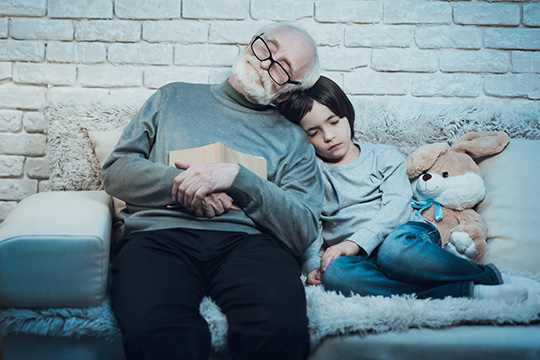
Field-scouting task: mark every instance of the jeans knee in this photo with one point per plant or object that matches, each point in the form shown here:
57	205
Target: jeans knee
331	273
336	274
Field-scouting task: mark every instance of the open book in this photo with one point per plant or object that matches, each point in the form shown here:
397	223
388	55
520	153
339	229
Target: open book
219	153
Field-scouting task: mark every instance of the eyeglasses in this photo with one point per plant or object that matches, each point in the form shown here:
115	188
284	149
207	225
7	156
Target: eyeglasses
262	52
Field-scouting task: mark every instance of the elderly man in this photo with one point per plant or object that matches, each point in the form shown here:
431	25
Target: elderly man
181	242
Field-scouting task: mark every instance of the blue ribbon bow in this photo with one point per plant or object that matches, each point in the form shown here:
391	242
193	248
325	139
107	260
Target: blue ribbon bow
423	205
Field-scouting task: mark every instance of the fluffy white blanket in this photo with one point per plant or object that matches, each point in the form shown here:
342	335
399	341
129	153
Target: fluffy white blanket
329	314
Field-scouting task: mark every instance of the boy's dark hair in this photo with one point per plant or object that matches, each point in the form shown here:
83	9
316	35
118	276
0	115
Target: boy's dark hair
325	92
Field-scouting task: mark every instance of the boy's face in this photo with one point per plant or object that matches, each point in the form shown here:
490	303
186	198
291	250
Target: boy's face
329	134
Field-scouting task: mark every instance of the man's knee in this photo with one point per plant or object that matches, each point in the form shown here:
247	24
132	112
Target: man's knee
144	337
273	335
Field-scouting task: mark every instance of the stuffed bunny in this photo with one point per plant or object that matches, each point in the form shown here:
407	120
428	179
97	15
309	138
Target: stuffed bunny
447	184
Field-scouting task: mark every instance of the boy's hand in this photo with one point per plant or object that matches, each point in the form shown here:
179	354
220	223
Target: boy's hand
346	248
314	277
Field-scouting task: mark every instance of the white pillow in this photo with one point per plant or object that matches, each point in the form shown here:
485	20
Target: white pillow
511	206
104	143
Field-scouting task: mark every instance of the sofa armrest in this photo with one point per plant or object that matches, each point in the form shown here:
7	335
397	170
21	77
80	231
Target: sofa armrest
54	250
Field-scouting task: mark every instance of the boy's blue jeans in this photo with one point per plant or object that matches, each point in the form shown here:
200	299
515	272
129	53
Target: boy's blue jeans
409	261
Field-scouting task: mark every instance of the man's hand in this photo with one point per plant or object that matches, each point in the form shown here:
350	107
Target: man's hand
216	204
199	180
314	277
345	248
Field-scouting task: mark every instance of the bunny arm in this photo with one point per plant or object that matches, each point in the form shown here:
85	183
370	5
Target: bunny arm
466	227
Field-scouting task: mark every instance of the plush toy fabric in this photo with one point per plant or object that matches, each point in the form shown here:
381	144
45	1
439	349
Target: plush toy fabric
447	184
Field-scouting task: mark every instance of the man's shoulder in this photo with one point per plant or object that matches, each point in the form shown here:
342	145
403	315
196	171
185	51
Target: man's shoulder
182	93
183	86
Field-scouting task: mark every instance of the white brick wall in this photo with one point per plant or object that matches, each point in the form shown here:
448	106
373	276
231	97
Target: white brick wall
414	50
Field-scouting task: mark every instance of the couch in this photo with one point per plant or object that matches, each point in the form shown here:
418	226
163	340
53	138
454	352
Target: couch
55	246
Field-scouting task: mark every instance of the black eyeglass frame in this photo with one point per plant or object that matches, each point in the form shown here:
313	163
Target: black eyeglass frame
272	62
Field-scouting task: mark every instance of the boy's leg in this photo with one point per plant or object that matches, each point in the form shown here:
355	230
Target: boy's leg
411	261
411	253
358	275
257	285
156	292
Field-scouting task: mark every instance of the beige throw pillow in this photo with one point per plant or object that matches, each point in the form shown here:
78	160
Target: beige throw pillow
104	143
511	207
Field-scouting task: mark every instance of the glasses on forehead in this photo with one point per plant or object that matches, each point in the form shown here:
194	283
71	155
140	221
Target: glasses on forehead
277	72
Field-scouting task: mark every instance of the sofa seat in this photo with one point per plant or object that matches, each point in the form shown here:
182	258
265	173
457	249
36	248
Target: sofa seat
462	342
46	265
88	130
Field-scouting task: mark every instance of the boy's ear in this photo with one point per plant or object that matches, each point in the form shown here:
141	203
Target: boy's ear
283	97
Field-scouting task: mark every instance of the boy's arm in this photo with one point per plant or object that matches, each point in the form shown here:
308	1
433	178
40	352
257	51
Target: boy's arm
395	204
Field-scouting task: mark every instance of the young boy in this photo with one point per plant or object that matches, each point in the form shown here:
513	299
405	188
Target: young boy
373	241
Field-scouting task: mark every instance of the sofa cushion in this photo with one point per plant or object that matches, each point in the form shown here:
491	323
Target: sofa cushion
54	250
510	208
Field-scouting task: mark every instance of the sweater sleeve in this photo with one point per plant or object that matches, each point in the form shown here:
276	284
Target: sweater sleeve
289	207
128	173
311	259
395	203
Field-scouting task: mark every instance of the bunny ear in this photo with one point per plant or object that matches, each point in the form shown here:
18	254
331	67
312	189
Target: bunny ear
479	144
424	157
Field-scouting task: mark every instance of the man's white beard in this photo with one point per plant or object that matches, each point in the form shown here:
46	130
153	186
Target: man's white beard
255	81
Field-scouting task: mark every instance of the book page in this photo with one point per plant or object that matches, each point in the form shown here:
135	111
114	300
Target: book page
219	153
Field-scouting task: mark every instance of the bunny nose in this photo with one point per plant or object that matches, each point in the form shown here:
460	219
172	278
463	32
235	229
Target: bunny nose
426	177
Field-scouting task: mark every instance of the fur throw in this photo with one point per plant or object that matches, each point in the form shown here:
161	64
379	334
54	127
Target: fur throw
329	314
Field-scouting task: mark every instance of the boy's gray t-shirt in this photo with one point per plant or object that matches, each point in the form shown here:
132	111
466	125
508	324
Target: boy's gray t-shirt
363	201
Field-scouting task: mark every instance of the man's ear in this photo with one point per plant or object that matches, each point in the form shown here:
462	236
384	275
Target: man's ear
283	97
250	41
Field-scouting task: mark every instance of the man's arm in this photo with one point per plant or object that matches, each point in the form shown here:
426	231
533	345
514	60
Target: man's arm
311	259
199	181
128	174
290	213
288	208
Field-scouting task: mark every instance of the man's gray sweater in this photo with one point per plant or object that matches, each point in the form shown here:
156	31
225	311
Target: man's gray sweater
183	116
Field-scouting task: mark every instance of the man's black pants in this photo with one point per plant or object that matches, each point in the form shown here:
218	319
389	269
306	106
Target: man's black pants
160	278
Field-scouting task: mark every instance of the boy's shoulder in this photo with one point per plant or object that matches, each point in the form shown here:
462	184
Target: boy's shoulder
382	149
